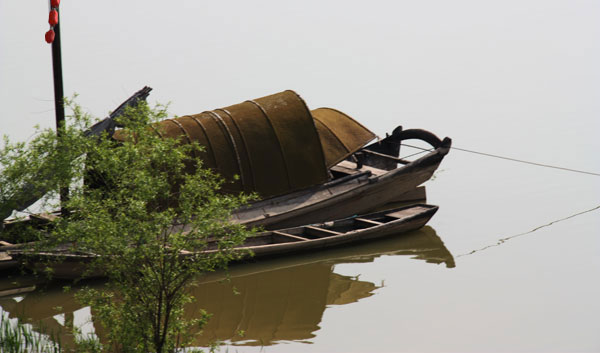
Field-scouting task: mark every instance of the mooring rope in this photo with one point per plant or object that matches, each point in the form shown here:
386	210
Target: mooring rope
423	150
504	240
414	154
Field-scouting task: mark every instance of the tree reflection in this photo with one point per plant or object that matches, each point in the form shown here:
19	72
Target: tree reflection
274	300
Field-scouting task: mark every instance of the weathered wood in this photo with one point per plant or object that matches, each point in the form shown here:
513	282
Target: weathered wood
6	261
5	257
291	236
352	168
320	232
406	212
363	190
333	201
15	291
16	246
417	194
44	217
109	124
367	222
390	146
270	243
341	231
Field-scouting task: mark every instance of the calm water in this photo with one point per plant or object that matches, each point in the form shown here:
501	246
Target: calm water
518	79
270	301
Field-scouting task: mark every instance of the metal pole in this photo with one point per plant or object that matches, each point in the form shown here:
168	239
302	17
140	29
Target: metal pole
59	106
58	81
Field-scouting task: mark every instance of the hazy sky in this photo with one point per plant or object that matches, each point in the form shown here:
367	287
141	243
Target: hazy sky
483	72
516	78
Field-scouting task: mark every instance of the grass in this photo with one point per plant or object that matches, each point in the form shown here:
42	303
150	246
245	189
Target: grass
18	337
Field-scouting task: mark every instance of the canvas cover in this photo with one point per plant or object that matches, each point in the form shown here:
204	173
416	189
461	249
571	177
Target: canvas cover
340	135
272	144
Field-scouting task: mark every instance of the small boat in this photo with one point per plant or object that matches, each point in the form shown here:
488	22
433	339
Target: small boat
70	264
339	232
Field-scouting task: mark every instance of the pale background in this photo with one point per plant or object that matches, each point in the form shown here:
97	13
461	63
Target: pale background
515	78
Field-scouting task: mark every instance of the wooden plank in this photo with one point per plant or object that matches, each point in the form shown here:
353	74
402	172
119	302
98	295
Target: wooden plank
6	261
16	246
5	257
14	291
407	212
290	235
368	222
45	217
320	232
344	166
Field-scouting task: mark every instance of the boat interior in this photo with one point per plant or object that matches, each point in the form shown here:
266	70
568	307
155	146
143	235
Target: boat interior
333	228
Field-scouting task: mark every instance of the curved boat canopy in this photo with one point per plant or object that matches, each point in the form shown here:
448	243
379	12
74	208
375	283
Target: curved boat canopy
340	135
274	144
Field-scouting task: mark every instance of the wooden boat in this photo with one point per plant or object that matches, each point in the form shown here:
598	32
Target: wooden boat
366	181
308	166
361	186
68	264
340	232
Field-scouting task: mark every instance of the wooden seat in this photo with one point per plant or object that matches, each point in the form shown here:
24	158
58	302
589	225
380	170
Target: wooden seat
320	232
367	222
290	236
407	212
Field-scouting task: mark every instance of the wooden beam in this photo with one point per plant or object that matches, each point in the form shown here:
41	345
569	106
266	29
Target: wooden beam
367	222
320	232
295	237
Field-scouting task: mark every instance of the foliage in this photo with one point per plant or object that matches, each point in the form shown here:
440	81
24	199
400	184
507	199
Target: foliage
17	337
37	169
143	208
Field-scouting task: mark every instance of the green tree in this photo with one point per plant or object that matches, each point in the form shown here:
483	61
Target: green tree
146	211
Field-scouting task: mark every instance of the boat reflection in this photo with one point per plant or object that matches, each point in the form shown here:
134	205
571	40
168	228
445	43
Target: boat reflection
258	303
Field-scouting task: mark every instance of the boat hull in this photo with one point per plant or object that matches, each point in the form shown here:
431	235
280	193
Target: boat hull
410	223
65	265
358	195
